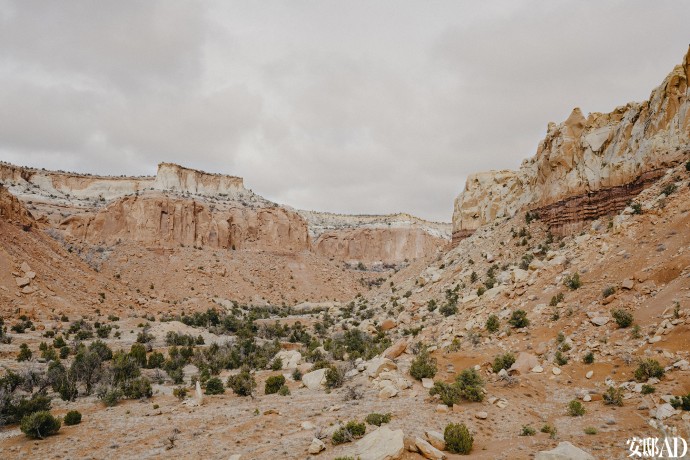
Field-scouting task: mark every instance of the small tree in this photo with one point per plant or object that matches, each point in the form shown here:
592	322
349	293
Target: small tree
273	384
493	323
458	438
40	424
518	319
623	318
242	384
647	369
24	353
378	419
214	386
503	362
423	365
573	282
613	396
73	417
576	409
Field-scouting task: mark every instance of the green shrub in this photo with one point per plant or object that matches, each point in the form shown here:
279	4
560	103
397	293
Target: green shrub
550	429
273	384
669	189
648	389
458	438
138	352
14	412
59	342
588	358
214	386
137	388
492	323
297	375
284	391
608	291
423	365
613	396
576	409
242	384
352	430
180	393
572	282
110	396
560	359
471	385
637	208
591	430
623	318
503	362
335	377
518	319
555	300
24	353
681	402
647	369
378	419
527	431
72	417
277	364
40	424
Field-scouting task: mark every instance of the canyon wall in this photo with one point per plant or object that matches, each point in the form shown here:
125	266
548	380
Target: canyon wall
586	167
12	210
177	178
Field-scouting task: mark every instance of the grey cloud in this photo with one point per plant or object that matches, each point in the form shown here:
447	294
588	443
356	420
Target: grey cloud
360	106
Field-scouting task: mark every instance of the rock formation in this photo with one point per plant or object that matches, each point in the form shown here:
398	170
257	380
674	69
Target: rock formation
586	167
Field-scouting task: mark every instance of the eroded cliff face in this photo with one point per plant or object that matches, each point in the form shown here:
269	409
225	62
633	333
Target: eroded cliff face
177	178
586	167
158	219
12	210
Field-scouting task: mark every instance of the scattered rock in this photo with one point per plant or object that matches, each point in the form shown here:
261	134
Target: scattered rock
316	446
428	451
381	444
378	365
435	439
589	374
564	451
537	369
314	380
441	408
481	415
600	320
395	350
556	371
307	425
290	358
628	284
524	363
21	282
428	383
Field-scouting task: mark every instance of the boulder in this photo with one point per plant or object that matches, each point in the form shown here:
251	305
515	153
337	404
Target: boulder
388	324
395	350
428	383
290	358
600	320
428	451
378	365
21	282
524	363
316	446
314	380
628	284
388	390
436	439
481	415
25	267
564	451
381	444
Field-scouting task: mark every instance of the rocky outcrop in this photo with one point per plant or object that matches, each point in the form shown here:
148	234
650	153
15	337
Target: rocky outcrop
586	167
12	210
164	220
177	178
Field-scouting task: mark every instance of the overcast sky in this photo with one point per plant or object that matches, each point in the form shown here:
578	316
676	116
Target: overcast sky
348	106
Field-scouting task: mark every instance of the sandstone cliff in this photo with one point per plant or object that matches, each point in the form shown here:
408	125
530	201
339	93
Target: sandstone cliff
615	154
11	210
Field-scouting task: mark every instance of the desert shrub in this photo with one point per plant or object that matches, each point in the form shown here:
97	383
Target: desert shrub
214	386
458	438
64	352
503	362
448	393
560	359
273	384
284	391
242	384
518	319
471	385
40	424
72	417
669	189
335	377
110	396
572	282
550	429
156	360
648	389
13	411
613	396
423	365
24	353
138	352
378	419
180	393
297	375
576	409
608	291
527	431
493	323
352	430
647	369
555	300
588	358
681	402
277	364
590	430
637	208
623	318
137	388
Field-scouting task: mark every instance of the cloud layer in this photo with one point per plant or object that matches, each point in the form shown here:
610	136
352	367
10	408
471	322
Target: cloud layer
358	106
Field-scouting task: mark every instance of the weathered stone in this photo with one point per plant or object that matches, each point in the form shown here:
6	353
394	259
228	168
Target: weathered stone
600	320
564	451
395	350
428	383
481	415
556	371
524	363
589	374
428	451
21	282
314	380
628	284
435	439
290	358
316	446
381	444
378	365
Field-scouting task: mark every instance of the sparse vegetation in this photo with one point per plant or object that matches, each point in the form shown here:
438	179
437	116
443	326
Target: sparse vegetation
493	323
528	431
423	365
590	430
613	396
518	319
458	438
243	383
550	429
622	317
576	409
39	425
273	384
681	402
351	431
72	417
572	282
214	386
378	419
503	361
588	358
647	369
